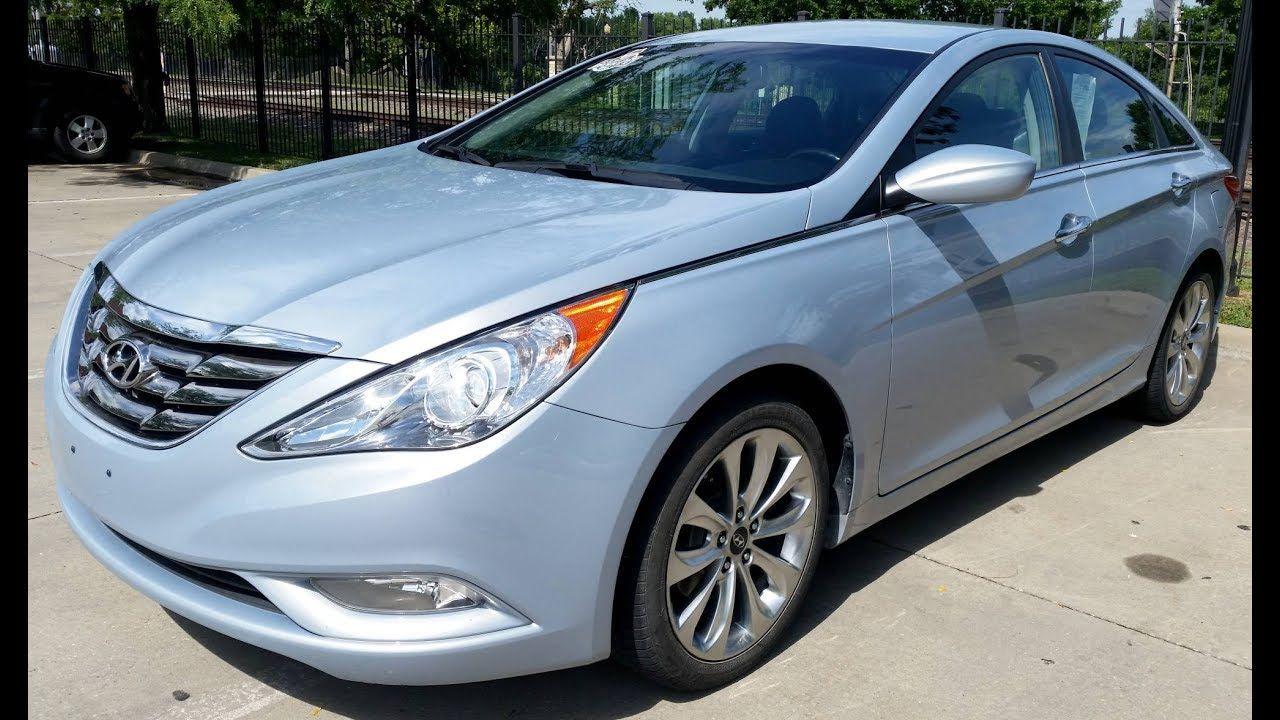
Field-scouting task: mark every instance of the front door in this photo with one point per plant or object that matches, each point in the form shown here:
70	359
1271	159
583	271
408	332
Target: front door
990	320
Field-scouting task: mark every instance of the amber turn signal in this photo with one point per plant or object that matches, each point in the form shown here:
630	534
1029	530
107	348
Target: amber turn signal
591	319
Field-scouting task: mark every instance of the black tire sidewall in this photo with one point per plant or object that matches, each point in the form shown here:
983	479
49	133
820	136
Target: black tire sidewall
1157	396
60	143
673	665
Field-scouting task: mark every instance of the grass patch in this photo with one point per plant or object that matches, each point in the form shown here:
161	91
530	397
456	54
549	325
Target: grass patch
1238	310
222	152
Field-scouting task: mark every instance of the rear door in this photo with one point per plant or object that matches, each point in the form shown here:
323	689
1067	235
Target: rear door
1142	185
990	324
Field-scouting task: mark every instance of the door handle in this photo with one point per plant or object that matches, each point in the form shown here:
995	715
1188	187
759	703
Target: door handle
1180	183
1072	227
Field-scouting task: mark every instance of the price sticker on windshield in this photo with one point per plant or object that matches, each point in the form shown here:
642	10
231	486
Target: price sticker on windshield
623	60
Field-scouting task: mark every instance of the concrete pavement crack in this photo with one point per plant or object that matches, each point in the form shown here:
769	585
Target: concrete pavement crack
60	262
1037	596
37	517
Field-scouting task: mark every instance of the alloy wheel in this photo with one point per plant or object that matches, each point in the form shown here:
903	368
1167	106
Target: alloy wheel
86	134
1188	343
741	544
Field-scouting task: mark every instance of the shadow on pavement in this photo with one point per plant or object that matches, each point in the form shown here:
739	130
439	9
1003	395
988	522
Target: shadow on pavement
606	690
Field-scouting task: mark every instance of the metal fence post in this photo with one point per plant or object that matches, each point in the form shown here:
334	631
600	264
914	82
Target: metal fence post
260	84
517	53
646	26
411	71
1237	136
1001	18
1239	121
326	94
193	70
44	39
87	54
802	16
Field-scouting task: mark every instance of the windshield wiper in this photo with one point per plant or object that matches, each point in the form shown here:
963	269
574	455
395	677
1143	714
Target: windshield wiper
591	171
457	152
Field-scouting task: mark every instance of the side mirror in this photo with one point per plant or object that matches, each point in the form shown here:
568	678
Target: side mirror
968	174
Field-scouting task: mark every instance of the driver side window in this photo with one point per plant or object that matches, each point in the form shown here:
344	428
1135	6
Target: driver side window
1006	103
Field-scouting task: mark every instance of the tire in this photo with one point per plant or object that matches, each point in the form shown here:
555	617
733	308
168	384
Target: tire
86	137
645	636
1183	361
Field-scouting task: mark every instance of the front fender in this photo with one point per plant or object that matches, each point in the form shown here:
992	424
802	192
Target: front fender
822	303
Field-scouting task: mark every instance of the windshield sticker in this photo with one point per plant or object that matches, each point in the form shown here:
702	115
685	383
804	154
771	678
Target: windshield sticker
621	61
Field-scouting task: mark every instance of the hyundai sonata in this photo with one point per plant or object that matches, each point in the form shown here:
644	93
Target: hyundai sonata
603	369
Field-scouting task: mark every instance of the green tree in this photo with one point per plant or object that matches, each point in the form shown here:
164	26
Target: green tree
1081	13
1212	28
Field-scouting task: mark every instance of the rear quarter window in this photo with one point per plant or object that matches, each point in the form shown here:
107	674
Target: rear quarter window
1176	133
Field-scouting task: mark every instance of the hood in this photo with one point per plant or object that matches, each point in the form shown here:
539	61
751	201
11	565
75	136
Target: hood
394	252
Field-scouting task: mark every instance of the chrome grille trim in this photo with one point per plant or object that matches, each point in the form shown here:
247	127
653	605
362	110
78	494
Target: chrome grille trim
191	371
197	394
183	327
234	367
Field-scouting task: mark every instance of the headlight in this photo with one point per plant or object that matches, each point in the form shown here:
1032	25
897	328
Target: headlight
455	396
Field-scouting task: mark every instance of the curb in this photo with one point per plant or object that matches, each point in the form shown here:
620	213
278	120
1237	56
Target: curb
228	171
1235	342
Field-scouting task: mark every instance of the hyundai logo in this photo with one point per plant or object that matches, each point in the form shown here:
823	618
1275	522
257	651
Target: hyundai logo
123	363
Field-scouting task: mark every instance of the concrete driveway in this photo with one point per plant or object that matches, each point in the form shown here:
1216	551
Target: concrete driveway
1102	572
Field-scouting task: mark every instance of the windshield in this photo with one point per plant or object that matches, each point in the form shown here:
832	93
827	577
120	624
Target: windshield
729	116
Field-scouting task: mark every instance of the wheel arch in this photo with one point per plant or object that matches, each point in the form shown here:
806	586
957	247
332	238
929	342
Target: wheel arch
781	380
1209	260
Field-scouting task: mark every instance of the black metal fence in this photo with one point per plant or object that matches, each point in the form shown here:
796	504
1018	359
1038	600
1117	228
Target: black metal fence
314	91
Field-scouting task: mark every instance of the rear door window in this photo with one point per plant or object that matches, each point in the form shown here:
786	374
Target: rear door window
1111	115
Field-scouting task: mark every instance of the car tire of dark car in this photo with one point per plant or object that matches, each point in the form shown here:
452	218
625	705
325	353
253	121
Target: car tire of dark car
82	136
645	636
1185	355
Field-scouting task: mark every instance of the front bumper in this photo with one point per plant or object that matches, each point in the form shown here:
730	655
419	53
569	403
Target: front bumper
536	516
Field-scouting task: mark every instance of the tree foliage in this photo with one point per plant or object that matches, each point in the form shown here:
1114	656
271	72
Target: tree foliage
1069	11
1212	26
219	16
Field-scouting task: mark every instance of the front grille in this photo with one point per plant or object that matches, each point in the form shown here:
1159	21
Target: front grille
222	582
157	376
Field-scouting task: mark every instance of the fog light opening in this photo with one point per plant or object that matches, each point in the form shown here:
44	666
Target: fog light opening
405	594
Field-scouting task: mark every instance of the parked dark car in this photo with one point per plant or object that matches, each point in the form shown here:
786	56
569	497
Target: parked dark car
89	116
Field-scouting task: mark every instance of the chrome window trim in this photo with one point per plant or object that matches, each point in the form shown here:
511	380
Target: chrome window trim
1145	154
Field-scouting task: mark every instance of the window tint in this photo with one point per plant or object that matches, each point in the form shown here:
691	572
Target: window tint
1112	117
1173	130
729	116
1006	103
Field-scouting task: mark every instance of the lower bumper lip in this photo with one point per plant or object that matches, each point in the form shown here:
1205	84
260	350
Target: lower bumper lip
476	657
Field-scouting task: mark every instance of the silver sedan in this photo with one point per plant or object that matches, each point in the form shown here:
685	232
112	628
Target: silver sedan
602	370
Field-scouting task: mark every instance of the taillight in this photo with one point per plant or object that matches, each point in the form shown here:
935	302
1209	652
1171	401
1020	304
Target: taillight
1232	184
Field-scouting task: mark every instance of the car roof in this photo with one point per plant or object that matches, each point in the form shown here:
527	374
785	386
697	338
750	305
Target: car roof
913	35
